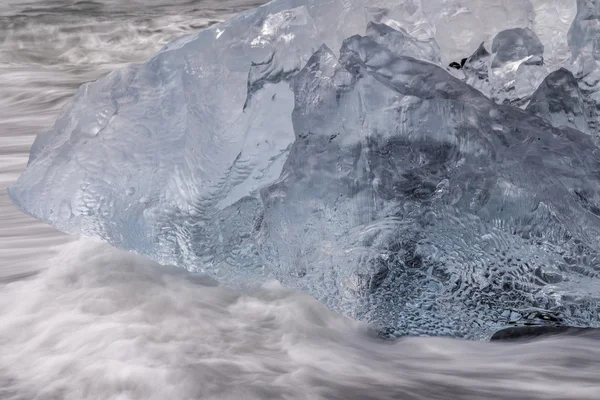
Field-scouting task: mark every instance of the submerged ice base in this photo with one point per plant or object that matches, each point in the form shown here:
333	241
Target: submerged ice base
325	145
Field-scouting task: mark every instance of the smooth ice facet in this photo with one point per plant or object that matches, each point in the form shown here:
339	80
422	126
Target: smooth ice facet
559	101
513	45
584	34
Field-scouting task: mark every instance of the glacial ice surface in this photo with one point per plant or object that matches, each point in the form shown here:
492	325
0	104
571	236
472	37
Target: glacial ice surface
327	145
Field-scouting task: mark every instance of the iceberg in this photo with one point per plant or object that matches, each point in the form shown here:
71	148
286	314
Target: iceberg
326	145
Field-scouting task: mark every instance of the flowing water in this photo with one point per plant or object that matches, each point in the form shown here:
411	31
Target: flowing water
80	320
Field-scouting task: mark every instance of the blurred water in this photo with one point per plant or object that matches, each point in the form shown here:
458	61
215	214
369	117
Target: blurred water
80	320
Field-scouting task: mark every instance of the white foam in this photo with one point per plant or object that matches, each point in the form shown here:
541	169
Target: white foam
103	324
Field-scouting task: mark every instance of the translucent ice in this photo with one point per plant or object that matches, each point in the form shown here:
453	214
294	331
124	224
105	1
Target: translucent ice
584	34
323	144
400	42
559	101
584	41
514	69
517	44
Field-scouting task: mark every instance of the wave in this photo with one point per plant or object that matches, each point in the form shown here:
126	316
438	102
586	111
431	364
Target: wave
101	323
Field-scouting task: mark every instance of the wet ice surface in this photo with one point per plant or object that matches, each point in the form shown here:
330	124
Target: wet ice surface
315	144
